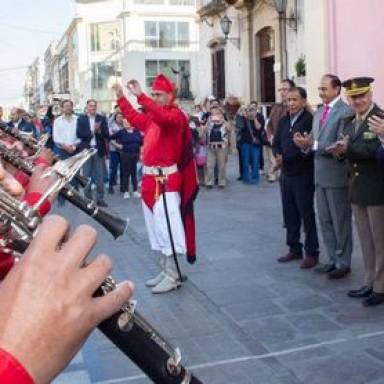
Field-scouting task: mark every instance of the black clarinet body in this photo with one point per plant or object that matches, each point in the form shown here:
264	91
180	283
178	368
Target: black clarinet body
32	144
146	348
113	224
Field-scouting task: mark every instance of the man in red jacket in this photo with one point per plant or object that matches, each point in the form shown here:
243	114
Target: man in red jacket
168	166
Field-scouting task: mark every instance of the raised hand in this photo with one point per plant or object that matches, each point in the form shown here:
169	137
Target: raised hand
134	87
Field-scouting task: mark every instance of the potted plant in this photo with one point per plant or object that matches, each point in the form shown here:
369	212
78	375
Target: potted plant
300	68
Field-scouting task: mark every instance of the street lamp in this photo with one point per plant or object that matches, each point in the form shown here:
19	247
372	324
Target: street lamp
226	26
281	8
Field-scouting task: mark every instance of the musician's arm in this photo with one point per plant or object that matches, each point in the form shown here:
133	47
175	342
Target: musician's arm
161	116
138	120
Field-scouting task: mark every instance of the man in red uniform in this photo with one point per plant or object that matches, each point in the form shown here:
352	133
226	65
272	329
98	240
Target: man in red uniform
168	158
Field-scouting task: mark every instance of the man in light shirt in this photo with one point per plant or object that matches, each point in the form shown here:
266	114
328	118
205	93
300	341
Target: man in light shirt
64	131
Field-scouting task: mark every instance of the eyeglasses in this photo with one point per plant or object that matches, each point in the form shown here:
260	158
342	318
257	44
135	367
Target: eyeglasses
156	94
283	89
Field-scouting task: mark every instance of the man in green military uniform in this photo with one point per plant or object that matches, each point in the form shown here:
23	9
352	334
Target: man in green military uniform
359	146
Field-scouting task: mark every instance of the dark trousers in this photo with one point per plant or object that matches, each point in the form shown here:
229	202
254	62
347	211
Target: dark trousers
114	163
238	147
129	171
298	195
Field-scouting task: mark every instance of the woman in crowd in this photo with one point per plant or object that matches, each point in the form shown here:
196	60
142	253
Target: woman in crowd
250	127
128	140
115	124
218	133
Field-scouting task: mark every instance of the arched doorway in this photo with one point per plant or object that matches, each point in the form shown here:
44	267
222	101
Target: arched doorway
266	54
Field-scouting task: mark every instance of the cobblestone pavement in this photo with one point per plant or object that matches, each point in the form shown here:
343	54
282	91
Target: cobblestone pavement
241	317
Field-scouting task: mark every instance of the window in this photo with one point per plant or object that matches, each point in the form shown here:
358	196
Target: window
64	78
149	1
183	2
104	73
170	68
104	37
166	34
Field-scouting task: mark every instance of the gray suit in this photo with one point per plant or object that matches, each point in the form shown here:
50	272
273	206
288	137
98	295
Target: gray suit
331	180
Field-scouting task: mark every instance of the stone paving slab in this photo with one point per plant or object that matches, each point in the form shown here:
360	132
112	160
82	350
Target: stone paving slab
241	317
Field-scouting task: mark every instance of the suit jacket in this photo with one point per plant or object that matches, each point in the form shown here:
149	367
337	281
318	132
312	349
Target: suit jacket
295	161
329	172
380	155
84	133
24	126
366	176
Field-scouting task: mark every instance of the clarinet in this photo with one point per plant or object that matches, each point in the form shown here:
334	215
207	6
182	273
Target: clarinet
143	344
127	328
33	145
113	224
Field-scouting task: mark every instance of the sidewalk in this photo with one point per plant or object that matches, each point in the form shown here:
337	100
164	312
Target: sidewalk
241	317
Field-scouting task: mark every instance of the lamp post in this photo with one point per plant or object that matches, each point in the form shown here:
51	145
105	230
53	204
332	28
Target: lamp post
226	26
281	8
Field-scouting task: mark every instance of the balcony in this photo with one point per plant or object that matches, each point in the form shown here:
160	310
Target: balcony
211	7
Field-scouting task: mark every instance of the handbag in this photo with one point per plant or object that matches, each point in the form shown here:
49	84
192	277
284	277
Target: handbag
201	155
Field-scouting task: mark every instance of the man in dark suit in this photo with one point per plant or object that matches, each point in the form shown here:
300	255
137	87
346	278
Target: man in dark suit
92	130
360	145
18	122
297	180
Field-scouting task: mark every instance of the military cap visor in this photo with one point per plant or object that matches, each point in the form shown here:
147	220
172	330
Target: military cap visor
357	85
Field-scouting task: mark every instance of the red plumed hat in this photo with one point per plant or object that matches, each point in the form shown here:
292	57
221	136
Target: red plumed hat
163	84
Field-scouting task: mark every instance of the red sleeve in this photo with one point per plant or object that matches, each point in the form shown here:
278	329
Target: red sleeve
11	371
6	263
138	120
165	118
32	198
22	178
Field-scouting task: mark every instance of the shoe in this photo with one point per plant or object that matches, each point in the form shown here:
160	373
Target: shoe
309	262
156	280
374	299
127	195
289	257
137	194
208	186
111	191
325	268
239	178
102	203
360	293
339	273
171	279
167	284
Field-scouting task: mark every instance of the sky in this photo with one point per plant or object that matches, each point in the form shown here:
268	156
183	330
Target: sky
26	29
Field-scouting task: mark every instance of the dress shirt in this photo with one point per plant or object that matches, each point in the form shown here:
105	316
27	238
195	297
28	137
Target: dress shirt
92	126
64	130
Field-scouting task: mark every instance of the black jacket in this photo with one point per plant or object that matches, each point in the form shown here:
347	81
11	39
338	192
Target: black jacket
84	133
295	161
366	174
247	132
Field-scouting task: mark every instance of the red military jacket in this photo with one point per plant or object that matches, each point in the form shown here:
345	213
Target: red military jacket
167	141
11	371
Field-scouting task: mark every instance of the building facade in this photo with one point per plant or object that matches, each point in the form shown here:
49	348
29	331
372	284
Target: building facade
34	85
112	41
250	61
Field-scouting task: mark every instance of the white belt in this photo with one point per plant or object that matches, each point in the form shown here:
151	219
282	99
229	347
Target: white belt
157	171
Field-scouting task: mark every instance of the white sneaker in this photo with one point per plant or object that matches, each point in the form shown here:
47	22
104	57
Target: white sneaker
137	194
127	195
